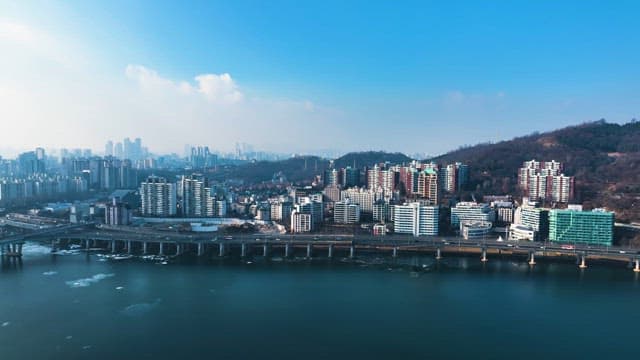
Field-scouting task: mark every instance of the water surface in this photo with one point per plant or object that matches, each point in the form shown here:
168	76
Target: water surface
81	307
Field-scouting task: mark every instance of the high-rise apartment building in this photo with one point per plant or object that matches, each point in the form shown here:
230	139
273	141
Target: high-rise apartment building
117	213
545	180
428	185
331	177
158	197
344	212
454	176
363	197
349	177
415	218
381	179
300	222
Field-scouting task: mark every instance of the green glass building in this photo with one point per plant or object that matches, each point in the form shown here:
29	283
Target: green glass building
588	227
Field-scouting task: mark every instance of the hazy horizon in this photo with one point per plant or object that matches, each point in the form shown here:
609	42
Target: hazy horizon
300	78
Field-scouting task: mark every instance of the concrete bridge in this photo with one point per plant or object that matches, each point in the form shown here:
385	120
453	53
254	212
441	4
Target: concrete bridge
12	245
140	241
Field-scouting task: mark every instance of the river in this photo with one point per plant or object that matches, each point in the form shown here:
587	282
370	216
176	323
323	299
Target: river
75	306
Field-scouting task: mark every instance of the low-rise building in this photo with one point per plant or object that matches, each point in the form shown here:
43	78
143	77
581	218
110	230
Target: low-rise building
519	232
475	230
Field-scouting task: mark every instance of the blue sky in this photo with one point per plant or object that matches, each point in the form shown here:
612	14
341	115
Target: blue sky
402	76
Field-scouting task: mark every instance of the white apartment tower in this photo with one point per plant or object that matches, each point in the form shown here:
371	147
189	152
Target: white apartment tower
416	219
158	197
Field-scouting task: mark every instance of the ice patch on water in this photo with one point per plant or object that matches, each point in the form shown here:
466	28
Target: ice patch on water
31	249
119	287
49	273
86	347
88	281
67	252
141	309
5	324
69	337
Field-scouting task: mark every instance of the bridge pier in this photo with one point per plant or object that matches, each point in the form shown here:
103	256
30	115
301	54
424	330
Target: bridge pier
53	245
144	248
287	250
583	262
438	254
178	249
532	258
86	245
330	255
161	252
265	250
113	246
309	250
243	250
395	251
129	247
484	255
636	268
352	252
200	249
221	250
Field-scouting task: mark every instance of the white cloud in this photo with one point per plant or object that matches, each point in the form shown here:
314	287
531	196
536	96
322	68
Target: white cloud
218	87
213	87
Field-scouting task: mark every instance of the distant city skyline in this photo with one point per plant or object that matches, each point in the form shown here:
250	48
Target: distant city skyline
295	78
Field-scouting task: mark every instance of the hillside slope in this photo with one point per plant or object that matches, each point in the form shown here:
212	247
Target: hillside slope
369	158
604	158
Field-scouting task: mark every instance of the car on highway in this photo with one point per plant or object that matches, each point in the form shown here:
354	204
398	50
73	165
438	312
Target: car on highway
567	247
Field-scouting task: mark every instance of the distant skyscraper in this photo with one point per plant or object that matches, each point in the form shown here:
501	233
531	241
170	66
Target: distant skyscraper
201	157
137	149
128	146
32	162
119	151
108	148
